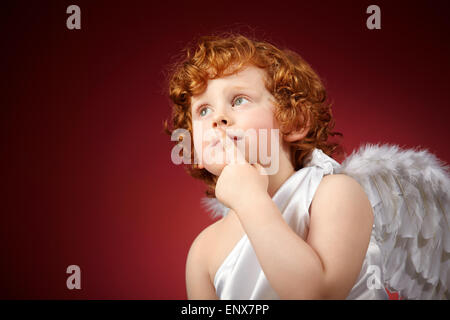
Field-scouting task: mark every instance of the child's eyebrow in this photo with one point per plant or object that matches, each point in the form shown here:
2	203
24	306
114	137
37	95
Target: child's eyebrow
239	88
235	88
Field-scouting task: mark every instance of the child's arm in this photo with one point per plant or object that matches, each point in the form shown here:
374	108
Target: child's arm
327	265
198	281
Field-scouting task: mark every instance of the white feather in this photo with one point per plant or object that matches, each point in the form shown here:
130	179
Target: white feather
215	207
409	191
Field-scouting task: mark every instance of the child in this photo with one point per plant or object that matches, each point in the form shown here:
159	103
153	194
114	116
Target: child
306	230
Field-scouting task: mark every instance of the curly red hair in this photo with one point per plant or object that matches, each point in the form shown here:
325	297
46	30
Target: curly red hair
298	91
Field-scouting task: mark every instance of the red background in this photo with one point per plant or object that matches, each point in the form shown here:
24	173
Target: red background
86	172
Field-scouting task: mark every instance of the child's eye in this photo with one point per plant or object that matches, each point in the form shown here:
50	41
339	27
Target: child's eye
239	100
204	111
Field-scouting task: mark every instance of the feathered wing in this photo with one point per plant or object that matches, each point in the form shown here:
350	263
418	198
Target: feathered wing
215	207
409	191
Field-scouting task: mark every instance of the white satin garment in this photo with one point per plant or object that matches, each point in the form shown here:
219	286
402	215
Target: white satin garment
241	277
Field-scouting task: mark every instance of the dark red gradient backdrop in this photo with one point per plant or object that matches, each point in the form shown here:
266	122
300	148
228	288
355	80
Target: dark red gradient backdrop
86	172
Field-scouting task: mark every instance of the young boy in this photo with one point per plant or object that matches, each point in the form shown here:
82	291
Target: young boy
300	232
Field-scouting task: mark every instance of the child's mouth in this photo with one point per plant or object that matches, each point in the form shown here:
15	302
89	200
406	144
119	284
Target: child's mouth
217	141
234	137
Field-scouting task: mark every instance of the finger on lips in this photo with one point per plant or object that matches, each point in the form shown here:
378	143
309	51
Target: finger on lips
238	156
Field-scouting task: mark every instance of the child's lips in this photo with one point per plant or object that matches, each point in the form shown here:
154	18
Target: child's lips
218	141
234	136
215	142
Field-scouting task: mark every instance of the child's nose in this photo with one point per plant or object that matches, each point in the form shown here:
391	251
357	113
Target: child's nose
221	121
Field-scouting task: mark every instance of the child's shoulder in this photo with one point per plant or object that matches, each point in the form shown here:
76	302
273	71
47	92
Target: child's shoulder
345	192
207	237
338	185
214	243
337	181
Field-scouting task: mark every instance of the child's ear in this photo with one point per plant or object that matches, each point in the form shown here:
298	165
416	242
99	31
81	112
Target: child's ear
296	135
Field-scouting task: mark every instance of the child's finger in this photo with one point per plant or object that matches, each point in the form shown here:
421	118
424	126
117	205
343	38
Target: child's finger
259	168
235	152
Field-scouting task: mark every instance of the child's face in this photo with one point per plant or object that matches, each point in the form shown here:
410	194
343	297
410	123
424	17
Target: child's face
229	107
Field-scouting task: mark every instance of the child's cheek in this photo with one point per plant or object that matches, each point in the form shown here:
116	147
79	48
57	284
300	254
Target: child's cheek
261	122
259	119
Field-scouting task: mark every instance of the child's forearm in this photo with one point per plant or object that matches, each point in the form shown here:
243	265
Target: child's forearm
292	267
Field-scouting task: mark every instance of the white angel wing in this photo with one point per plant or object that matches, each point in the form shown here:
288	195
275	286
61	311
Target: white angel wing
409	191
215	207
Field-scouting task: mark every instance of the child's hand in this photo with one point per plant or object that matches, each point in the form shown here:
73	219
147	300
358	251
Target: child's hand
241	183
